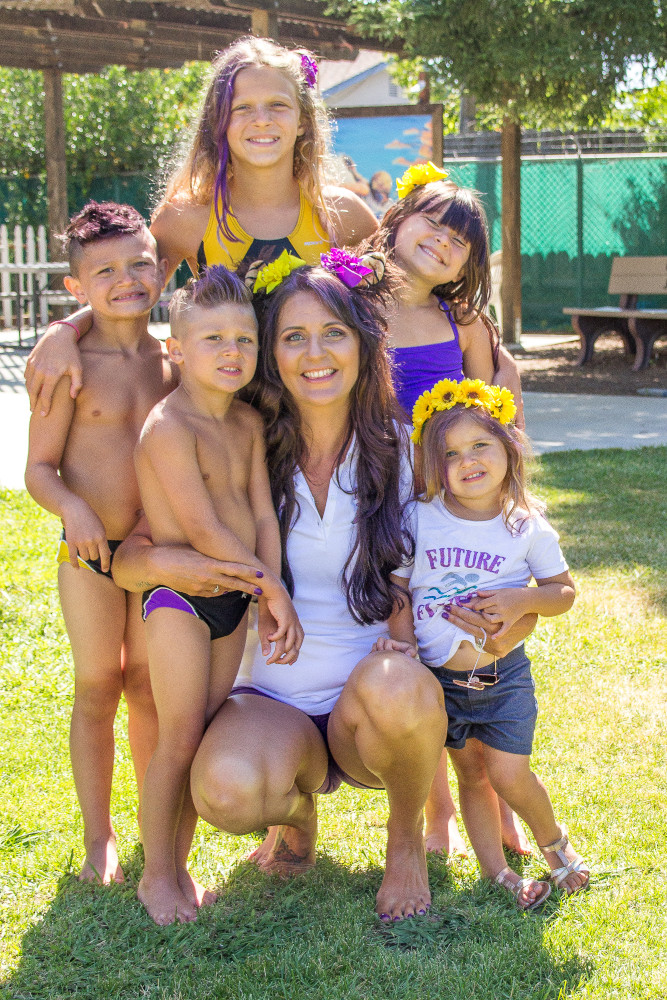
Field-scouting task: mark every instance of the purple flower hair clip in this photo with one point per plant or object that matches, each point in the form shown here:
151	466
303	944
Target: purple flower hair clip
350	269
309	69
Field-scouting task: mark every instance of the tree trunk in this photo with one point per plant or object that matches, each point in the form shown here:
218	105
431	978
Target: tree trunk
56	167
511	232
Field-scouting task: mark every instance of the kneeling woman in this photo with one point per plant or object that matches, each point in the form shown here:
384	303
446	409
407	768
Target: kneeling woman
340	472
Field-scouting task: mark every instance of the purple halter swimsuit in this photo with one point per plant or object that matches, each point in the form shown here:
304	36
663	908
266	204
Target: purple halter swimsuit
419	368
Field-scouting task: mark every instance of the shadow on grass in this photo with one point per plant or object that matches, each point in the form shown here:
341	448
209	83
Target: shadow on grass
616	513
315	936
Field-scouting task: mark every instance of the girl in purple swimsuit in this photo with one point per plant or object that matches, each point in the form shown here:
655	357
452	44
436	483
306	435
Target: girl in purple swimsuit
437	235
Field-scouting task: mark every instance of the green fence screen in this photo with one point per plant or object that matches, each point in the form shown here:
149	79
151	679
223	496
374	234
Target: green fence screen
576	214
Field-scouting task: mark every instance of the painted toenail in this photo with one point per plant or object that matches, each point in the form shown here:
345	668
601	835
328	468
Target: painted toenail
384	916
422	913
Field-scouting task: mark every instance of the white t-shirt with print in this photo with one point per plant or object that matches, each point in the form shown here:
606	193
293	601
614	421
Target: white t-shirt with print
455	557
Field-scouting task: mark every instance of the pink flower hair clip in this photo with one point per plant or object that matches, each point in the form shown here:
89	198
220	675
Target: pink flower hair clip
309	70
351	270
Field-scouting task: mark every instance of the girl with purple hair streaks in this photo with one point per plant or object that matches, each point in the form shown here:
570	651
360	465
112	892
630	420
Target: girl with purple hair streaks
250	185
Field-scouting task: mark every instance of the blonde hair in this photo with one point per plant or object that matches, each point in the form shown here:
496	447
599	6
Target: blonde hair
515	496
203	173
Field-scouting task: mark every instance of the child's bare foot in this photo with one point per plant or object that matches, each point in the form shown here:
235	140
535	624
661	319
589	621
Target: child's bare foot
513	834
101	864
164	901
404	891
569	871
442	836
193	891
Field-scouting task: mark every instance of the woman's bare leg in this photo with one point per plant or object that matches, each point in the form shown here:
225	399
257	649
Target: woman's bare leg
387	730
259	765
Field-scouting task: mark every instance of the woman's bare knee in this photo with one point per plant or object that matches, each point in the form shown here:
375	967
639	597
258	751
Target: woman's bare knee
396	693
231	795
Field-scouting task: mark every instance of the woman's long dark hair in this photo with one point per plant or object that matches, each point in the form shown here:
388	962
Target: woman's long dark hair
380	545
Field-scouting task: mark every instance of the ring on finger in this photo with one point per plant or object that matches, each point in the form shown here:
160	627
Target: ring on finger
216	588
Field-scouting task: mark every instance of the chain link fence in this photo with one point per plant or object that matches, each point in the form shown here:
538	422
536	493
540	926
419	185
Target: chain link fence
577	212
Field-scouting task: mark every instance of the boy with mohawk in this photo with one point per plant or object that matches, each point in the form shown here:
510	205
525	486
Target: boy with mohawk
80	467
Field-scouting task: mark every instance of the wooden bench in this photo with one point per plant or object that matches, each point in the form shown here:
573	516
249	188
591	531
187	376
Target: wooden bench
639	328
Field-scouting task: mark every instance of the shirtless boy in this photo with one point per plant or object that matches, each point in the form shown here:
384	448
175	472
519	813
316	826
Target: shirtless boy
203	480
80	467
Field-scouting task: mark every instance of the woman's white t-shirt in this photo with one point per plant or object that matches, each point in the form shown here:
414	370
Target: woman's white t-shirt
317	550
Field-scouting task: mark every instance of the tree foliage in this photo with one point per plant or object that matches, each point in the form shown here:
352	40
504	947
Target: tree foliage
115	121
536	60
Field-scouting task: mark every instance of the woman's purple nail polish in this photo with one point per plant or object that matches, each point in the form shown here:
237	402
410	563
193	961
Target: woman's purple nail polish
259	574
258	591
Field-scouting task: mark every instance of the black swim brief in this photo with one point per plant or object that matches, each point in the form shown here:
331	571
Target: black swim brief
62	556
221	613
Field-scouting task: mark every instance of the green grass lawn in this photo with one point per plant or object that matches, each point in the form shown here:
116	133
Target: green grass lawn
601	675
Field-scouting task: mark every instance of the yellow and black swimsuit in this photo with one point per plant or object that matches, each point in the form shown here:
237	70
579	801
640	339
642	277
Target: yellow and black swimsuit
307	240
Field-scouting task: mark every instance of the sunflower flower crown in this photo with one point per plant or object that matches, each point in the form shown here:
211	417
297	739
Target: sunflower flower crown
496	401
418	175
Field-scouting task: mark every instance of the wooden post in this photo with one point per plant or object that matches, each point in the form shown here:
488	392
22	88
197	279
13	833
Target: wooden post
467	111
424	85
264	23
511	231
56	168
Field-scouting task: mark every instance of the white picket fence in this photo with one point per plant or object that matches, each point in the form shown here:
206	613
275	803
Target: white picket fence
25	248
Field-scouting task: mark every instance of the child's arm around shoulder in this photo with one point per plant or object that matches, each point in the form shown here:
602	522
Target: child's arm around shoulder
47	440
352	220
278	621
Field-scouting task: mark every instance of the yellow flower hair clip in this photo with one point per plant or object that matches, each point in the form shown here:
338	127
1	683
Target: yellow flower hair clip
417	175
271	275
498	402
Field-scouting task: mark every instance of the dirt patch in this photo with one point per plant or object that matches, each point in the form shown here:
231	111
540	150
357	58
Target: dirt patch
554	369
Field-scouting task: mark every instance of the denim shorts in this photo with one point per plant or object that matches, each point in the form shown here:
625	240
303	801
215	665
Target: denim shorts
502	716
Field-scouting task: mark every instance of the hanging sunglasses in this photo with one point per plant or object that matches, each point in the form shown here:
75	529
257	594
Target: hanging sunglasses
483	679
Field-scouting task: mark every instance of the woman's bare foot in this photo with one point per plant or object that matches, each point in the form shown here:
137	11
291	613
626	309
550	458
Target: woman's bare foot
404	891
263	851
513	834
287	850
165	902
101	864
442	836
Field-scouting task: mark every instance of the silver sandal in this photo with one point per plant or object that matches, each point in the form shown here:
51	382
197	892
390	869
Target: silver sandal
577	864
503	879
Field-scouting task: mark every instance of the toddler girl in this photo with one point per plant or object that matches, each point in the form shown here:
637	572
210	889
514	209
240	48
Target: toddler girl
480	534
